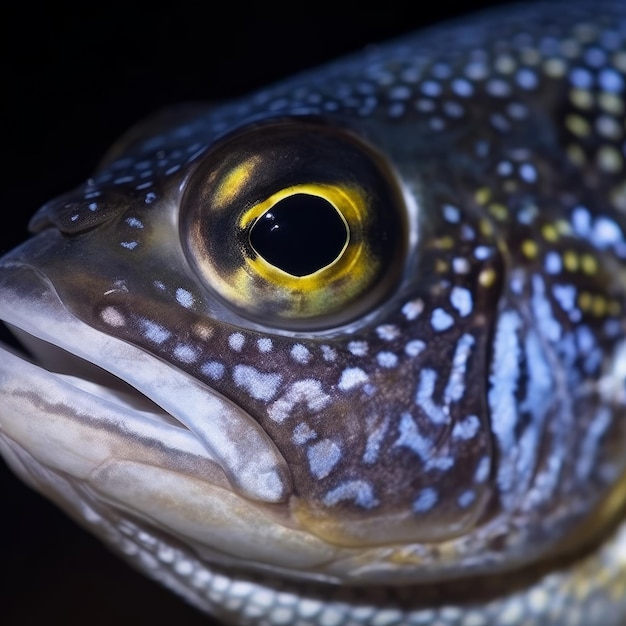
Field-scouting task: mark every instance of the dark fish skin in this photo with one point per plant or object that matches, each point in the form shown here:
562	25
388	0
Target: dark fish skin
56	571
41	548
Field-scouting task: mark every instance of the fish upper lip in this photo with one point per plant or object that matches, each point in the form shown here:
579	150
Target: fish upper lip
30	303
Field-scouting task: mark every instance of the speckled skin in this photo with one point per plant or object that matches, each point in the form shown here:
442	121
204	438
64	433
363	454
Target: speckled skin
461	442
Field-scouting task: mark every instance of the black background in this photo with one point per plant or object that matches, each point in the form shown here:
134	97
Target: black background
72	80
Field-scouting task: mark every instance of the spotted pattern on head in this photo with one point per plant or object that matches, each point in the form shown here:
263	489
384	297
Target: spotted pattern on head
476	390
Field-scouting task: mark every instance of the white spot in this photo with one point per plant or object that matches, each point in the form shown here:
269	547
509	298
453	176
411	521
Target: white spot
482	470
467	428
236	341
213	370
129	245
461	299
323	456
526	79
476	70
307	391
387	359
504	378
414	347
425	501
184	298
462	87
328	354
440	320
155	332
413	309
300	354
441	463
498	88
411	438
565	295
399	92
431	88
581	220
159	285
352	377
504	168
359	491
553	263
133	222
548	324
264	344
482	252
112	317
466	499
259	385
605	232
460	265
185	353
581	78
424	397
528	173
374	440
387	332
610	80
451	213
456	385
303	433
358	348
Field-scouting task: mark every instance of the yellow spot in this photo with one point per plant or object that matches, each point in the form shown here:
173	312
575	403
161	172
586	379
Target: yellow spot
203	331
505	64
581	98
618	197
619	61
441	267
487	277
486	228
549	232
577	125
234	182
584	300
589	263
611	103
499	211
599	306
482	195
539	600
554	68
445	243
609	160
584	33
570	260
529	249
530	56
576	154
563	227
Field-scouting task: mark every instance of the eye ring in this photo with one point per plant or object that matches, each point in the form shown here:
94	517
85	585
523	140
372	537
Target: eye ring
290	175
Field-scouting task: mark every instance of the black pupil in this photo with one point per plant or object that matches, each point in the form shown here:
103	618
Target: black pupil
300	234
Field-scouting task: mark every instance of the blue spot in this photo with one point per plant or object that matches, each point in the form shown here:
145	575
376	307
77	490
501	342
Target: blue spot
440	320
425	501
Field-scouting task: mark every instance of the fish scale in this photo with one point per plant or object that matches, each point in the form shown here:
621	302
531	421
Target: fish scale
451	446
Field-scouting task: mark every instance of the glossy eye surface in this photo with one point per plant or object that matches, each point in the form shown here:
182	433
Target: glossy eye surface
295	224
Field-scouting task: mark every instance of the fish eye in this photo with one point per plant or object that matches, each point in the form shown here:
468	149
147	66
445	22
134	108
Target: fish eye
295	224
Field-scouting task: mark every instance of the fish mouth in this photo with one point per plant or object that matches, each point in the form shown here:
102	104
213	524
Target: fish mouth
136	438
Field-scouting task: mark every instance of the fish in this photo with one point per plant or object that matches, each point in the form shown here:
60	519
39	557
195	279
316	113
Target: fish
438	442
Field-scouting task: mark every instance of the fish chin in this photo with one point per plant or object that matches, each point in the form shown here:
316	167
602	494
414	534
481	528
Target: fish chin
140	454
